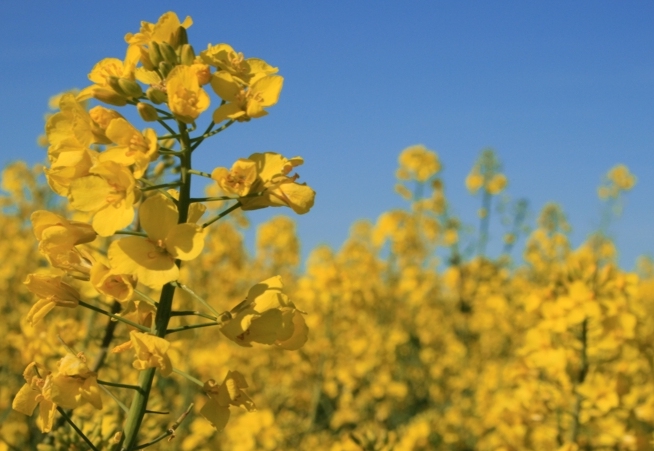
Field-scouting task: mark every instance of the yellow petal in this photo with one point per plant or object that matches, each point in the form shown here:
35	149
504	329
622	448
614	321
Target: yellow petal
216	414
140	257
25	401
185	241
158	215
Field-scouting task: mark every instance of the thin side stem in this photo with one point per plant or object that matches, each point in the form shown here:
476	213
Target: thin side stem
116	317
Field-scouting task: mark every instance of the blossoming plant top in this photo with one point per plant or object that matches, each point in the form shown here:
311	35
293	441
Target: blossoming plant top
136	222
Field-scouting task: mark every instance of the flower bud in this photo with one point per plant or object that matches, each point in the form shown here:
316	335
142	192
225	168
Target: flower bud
168	53
156	95
155	54
147	112
164	68
114	82
130	87
109	96
187	54
179	37
145	59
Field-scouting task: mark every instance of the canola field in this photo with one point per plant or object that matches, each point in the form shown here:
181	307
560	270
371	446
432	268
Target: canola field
135	317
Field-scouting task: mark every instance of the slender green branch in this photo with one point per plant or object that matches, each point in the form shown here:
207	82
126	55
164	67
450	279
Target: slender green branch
217	198
155	412
163	185
129	232
172	152
164	192
166	126
77	430
144	297
191	313
203	174
197	298
171	430
164	112
116	384
116	317
222	215
197	141
170	136
195	380
122	406
190	326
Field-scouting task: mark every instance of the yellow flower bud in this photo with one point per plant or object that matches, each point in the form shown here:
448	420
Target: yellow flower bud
168	53
179	37
187	54
114	83
156	95
110	97
147	112
155	54
130	87
165	67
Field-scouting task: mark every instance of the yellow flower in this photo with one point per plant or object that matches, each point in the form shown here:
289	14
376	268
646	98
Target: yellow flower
133	148
117	286
230	392
109	191
152	259
186	99
246	70
474	181
244	104
35	392
419	162
496	184
74	384
52	292
58	237
268	317
276	187
162	31
150	352
620	176
109	74
239	179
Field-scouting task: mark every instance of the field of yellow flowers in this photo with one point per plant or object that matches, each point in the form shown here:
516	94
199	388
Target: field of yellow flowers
134	317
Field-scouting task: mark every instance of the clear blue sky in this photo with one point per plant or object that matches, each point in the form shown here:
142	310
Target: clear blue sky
562	90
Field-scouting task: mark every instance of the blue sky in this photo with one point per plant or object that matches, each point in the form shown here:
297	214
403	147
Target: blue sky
561	90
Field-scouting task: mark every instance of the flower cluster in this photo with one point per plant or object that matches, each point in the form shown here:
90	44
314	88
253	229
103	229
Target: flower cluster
135	221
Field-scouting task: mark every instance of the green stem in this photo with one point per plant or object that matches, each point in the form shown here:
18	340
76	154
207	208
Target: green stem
115	384
78	430
116	317
171	430
140	401
166	126
197	298
190	326
222	215
200	173
191	313
201	138
195	380
129	232
163	185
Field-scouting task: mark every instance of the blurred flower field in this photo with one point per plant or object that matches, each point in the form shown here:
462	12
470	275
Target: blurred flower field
411	336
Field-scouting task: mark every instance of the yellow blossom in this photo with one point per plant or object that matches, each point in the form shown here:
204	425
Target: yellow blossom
109	192
150	352
152	259
419	162
133	148
230	392
36	392
52	292
244	104
268	317
186	99
246	70
74	384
